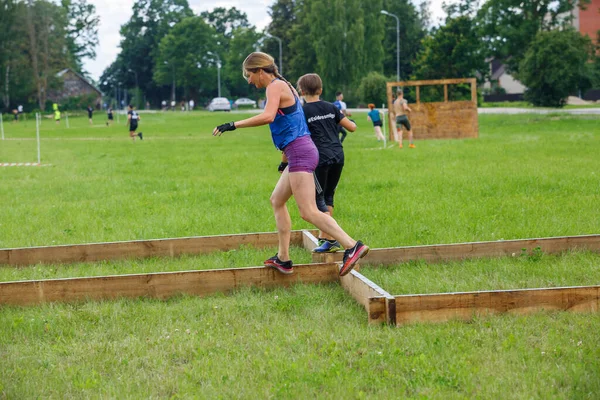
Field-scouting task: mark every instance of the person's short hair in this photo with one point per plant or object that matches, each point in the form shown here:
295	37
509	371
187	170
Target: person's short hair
399	92
130	106
338	94
310	84
371	106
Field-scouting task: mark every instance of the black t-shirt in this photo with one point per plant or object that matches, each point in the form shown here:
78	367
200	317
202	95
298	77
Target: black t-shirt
322	119
134	117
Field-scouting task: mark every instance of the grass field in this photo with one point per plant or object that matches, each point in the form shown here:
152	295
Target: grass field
526	176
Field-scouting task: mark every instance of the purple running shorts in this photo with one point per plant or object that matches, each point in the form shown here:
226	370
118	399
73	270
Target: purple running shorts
302	155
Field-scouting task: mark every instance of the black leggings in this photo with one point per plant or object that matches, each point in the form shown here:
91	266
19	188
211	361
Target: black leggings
343	132
327	178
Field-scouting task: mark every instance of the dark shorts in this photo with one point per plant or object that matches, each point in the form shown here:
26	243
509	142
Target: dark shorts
132	127
403	120
90	115
377	123
302	155
110	117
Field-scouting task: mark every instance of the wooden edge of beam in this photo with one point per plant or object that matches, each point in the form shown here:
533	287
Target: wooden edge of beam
459	251
309	241
160	285
378	303
431	82
441	307
140	248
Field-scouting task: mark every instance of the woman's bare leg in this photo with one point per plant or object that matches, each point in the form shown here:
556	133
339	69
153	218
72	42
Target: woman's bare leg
303	188
378	133
279	197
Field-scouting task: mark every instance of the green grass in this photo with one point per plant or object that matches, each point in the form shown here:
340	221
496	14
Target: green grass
526	176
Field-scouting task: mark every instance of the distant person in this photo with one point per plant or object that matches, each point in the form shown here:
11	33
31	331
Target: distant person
289	133
192	104
376	117
20	109
341	105
182	105
90	111
323	119
16	116
163	105
400	108
132	120
173	105
109	113
57	116
147	105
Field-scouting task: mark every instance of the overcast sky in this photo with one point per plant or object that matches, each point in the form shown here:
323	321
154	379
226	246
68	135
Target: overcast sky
114	13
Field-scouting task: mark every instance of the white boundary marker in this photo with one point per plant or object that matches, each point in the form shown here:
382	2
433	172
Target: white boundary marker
38	120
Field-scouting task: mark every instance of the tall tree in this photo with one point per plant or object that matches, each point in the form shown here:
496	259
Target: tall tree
150	22
8	24
225	21
283	16
510	26
82	31
242	43
190	53
556	65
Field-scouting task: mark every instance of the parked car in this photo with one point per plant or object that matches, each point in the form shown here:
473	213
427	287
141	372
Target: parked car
219	104
243	102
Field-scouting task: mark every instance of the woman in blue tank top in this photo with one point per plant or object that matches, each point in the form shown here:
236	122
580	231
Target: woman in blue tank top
290	134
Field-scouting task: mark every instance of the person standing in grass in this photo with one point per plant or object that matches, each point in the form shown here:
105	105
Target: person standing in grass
375	116
90	111
341	105
132	120
399	109
109	113
290	134
323	119
56	113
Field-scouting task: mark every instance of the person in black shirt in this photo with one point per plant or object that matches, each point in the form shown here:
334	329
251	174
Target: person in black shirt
90	111
323	119
132	120
109	113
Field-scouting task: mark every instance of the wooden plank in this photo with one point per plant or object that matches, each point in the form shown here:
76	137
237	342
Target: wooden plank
445	93
309	241
447	306
453	81
159	285
459	251
140	248
378	303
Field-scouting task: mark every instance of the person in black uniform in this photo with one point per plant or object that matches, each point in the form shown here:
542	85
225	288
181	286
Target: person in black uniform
132	120
323	120
109	113
90	111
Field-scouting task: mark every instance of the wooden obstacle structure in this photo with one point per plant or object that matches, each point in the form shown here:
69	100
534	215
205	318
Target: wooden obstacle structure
439	120
381	307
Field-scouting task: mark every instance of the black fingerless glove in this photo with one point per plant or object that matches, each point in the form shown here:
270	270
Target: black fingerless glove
282	166
230	126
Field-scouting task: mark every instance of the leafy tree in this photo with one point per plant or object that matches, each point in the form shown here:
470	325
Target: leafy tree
242	43
150	22
413	29
225	21
8	24
373	88
185	52
554	66
508	27
284	14
82	31
303	57
453	51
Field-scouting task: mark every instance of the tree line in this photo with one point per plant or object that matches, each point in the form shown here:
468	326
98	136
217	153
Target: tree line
168	52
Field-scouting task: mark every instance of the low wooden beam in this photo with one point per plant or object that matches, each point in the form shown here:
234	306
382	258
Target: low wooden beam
140	248
380	305
159	285
309	240
459	251
464	306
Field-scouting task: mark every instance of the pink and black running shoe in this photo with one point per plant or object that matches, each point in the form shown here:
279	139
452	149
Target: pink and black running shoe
285	267
352	255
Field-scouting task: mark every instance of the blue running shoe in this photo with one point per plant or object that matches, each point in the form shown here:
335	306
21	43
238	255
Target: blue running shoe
285	267
328	247
351	257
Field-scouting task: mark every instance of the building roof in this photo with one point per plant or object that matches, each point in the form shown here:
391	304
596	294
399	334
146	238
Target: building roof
64	71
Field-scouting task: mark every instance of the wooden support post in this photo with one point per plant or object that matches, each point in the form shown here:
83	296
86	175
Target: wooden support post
140	248
380	305
447	306
459	251
418	89
445	93
160	285
474	91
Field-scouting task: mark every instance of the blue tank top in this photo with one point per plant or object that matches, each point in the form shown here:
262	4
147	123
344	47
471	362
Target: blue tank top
374	115
288	126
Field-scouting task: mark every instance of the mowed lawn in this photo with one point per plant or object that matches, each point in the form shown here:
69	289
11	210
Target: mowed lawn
526	176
